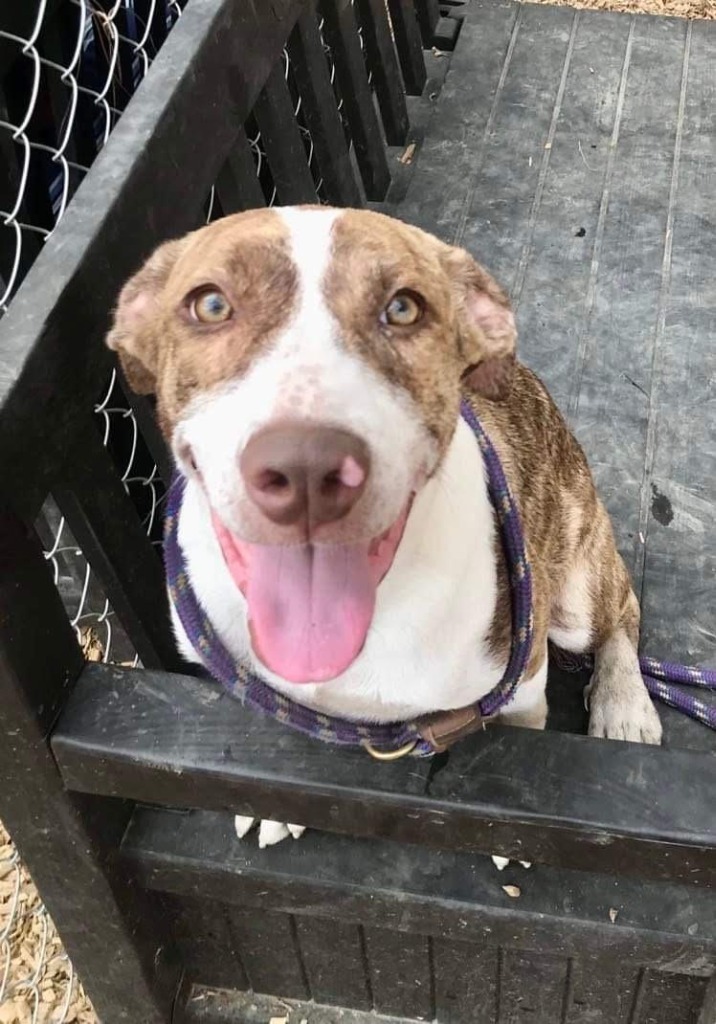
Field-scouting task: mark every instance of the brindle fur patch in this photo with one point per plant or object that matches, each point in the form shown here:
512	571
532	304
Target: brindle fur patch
246	256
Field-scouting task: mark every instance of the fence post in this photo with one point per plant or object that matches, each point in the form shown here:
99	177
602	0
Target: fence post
118	951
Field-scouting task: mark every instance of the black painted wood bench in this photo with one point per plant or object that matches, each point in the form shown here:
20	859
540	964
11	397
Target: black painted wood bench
572	152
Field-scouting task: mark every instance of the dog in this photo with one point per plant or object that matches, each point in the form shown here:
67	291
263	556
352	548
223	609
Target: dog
308	365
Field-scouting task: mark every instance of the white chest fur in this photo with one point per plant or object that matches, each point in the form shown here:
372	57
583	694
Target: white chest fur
426	649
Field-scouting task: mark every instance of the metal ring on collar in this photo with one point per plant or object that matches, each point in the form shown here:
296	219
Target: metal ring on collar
390	755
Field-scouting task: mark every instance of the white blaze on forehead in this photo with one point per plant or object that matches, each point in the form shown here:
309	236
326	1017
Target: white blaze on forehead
308	373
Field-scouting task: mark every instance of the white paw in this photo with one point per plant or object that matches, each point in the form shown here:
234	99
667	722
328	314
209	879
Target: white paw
627	714
270	832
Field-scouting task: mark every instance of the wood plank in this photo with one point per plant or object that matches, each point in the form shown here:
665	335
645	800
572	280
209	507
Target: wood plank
129	974
341	33
460	127
678	495
465	982
428	12
282	140
237	185
601	992
639	808
408	44
205	942
333	956
508	157
383	63
269	952
455	897
667	998
320	110
400	973
531	986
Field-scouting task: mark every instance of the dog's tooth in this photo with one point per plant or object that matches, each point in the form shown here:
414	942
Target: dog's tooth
296	830
243	825
500	862
526	864
272	832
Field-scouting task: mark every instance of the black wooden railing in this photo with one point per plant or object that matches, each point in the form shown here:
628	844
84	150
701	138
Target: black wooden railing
243	104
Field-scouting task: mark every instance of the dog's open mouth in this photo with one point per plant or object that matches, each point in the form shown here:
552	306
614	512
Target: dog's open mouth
310	605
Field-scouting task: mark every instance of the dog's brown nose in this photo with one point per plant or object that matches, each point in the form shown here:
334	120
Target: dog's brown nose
304	475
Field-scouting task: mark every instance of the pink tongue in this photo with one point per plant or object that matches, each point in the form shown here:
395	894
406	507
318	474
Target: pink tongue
310	607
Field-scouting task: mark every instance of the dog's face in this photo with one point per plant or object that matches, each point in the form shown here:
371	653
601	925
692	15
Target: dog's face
307	364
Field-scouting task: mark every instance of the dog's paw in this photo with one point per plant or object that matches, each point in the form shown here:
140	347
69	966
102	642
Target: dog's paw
270	832
623	714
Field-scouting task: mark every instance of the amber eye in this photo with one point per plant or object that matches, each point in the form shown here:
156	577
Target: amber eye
210	307
403	310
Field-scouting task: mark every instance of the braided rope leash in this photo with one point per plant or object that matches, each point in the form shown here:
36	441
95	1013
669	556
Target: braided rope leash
394	739
661	679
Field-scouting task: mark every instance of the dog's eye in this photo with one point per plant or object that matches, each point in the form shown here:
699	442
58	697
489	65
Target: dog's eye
403	310
210	307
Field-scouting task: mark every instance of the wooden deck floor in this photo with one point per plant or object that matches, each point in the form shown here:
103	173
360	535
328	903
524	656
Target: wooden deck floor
572	152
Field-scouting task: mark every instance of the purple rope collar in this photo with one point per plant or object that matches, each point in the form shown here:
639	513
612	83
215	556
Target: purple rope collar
257	694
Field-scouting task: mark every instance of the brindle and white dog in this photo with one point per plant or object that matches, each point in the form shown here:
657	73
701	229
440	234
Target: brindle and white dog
308	365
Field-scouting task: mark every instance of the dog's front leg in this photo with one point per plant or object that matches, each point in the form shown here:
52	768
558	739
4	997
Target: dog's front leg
597	609
620	707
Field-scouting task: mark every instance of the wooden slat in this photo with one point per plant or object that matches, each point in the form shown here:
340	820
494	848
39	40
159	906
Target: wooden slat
599	992
383	63
332	953
282	141
428	12
624	806
665	999
341	32
238	186
321	113
465	982
269	953
64	841
205	942
408	44
105	524
400	973
531	986
456	897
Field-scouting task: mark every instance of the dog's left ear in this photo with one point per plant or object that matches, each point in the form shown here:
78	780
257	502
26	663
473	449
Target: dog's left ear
486	325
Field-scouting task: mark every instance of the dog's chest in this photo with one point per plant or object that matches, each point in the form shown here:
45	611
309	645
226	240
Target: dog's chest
427	647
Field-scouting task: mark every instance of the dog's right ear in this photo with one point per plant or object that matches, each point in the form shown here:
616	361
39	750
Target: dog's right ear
486	325
133	335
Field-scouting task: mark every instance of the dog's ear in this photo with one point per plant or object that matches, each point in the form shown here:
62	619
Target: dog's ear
133	334
486	326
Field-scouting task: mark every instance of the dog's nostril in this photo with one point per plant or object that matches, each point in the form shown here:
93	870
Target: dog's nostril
273	480
331	482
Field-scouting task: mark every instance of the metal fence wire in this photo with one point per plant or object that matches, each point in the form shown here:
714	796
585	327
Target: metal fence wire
67	71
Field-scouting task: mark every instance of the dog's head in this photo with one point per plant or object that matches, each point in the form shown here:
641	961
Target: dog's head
307	364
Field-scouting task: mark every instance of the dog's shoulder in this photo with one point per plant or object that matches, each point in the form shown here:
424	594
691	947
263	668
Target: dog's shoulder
531	436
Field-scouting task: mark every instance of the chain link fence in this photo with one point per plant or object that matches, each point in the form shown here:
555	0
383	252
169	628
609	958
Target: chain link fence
68	68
